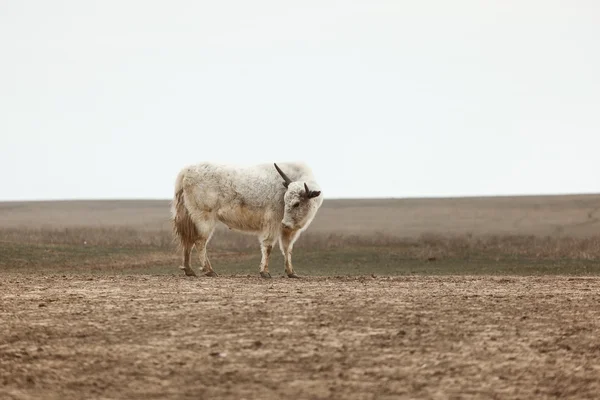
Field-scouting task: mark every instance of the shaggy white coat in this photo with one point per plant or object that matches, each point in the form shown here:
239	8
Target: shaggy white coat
252	199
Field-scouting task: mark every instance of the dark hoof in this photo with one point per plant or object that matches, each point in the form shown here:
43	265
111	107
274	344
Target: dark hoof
264	274
188	271
293	276
211	274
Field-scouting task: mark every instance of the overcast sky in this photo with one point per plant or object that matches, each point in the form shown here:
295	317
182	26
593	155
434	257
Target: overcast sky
109	99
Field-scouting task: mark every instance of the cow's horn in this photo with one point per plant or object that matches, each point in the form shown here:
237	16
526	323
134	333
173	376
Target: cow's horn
284	176
311	193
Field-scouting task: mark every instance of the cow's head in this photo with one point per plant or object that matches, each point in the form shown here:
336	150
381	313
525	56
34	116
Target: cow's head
297	204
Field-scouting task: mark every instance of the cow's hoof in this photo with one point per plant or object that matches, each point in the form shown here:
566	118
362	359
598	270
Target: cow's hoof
211	274
188	271
293	276
264	274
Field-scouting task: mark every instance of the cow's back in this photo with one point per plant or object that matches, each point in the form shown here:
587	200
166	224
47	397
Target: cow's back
214	186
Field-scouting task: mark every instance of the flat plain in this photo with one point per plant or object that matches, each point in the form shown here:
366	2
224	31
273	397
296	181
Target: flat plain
415	298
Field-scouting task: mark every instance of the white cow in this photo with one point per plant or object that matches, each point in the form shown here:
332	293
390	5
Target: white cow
253	200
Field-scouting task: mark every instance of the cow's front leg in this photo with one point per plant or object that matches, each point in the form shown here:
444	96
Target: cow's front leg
266	246
286	243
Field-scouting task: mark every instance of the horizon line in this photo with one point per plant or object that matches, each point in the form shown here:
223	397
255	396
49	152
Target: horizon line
440	197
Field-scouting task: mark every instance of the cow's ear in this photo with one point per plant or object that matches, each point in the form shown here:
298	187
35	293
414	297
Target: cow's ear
314	193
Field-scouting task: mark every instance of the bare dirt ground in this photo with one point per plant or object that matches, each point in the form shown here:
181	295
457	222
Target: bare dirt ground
235	337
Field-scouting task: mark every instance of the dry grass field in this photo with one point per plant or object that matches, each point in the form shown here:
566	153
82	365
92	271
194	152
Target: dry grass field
517	235
420	298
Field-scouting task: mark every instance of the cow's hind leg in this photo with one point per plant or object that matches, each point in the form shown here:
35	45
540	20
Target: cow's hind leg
185	230
187	267
206	229
207	268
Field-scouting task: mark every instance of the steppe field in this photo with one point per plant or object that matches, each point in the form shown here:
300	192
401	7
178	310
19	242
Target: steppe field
469	298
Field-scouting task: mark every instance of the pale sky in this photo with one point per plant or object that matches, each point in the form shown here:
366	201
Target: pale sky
109	99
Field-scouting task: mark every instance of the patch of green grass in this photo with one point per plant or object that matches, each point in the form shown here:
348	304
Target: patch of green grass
380	261
39	257
388	261
383	261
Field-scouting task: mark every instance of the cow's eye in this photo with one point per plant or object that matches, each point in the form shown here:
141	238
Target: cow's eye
295	205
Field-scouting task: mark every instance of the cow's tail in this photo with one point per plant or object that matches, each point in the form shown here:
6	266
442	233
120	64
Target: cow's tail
184	229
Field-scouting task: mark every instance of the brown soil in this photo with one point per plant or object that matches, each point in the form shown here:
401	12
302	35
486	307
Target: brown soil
147	337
